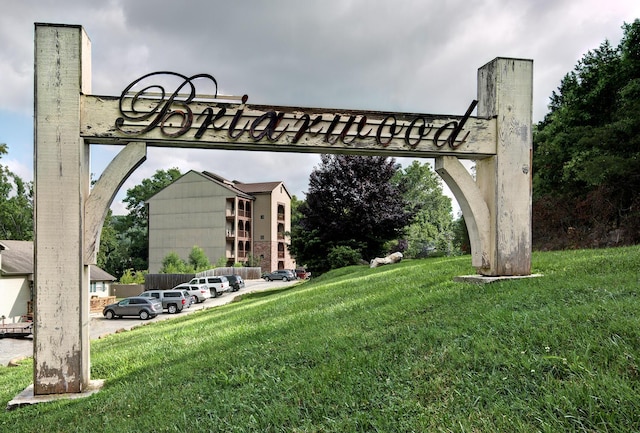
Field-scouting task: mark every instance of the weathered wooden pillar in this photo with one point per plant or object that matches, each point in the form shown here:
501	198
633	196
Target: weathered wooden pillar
61	171
505	92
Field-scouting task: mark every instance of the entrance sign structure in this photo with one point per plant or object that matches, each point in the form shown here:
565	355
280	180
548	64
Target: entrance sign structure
69	215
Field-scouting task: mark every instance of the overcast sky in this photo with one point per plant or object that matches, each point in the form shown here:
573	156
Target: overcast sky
396	55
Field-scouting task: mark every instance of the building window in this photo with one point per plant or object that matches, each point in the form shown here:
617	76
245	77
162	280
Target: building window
261	217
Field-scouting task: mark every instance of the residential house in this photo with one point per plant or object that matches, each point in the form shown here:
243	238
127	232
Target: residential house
16	280
228	219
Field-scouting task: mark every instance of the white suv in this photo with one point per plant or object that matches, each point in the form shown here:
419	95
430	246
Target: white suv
198	292
216	285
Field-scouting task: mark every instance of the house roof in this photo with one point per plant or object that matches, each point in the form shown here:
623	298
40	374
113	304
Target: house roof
254	188
231	186
17	259
99	274
246	188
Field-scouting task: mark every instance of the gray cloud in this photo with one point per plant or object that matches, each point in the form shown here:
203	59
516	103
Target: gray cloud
401	55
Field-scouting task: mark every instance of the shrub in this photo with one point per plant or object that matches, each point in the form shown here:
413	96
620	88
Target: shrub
342	256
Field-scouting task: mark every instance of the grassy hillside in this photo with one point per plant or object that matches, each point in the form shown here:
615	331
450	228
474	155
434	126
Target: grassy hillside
394	349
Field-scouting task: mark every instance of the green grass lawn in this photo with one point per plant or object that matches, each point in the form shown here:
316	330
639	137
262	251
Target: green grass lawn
399	348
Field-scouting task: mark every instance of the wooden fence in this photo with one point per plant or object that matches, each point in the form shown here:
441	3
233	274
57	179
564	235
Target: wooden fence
169	281
165	281
126	290
245	272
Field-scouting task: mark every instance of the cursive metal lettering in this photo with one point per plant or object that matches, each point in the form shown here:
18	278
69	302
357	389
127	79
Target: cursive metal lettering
153	108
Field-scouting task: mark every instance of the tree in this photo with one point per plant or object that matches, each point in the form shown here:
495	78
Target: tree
111	252
586	160
198	260
173	264
342	256
431	228
461	241
132	277
16	204
296	215
351	202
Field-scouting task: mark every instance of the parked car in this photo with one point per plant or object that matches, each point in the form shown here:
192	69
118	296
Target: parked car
191	299
293	271
280	274
172	300
199	293
303	274
236	282
216	284
142	307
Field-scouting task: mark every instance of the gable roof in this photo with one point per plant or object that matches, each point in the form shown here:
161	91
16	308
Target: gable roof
99	274
231	186
246	188
254	188
16	258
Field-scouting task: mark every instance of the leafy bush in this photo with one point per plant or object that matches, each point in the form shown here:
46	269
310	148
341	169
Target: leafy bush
133	277
198	259
173	264
342	256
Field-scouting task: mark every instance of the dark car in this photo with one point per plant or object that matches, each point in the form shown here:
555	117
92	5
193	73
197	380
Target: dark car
236	282
144	308
280	274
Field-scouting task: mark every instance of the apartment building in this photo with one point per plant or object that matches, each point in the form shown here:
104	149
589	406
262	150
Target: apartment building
225	218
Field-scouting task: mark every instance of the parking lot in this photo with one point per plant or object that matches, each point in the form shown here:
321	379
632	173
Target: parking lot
14	348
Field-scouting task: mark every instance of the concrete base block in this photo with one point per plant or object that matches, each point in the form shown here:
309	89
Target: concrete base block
482	279
26	397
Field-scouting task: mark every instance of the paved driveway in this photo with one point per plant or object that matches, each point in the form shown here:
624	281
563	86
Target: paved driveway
12	348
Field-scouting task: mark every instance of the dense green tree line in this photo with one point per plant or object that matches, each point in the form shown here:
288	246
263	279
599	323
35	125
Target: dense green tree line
16	204
351	209
358	208
586	158
431	229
